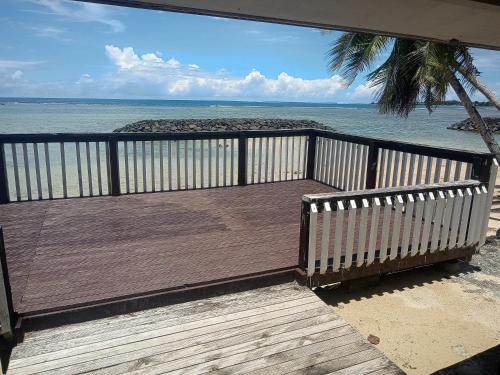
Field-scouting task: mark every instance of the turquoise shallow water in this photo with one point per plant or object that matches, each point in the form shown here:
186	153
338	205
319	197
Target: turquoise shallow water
71	115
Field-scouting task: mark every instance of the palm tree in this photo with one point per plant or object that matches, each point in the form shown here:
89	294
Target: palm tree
414	71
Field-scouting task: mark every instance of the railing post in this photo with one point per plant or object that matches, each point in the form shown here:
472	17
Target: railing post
6	305
304	234
371	167
311	154
242	159
114	167
4	185
481	169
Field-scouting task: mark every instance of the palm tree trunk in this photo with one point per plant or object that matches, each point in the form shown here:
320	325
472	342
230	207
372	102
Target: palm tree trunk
476	118
472	78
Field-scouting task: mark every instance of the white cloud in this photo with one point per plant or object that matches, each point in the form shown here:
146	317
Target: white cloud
16	64
82	12
18	74
364	91
174	79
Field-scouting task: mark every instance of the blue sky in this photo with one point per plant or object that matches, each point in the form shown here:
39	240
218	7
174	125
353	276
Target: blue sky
59	48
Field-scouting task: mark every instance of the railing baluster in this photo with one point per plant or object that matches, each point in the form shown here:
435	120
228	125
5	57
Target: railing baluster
352	163
162	175
447	170
428	170
455	222
27	171
438	219
305	157
253	160
339	224
402	176
325	146
286	158
281	161
420	165
48	171
360	258
337	167
37	171
387	181
79	168
396	226
144	175
357	171
232	161
217	177
386	226
89	169
491	190
259	167
108	166
136	183
127	172
419	212
473	221
346	165
395	169
331	161
351	224
311	258
153	177
63	170
325	240
428	213
482	227
202	163
363	169
381	166
293	159
273	160
4	179
242	160
372	244
408	218
468	171
224	160
464	220
210	163
178	162
445	231
458	169
410	170
186	165
194	163
169	162
341	164
437	170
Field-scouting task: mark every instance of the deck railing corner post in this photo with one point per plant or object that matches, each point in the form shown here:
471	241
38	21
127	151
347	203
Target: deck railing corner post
114	167
311	153
7	315
304	234
4	185
242	159
372	166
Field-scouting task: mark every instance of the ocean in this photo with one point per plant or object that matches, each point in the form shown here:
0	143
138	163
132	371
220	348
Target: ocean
22	115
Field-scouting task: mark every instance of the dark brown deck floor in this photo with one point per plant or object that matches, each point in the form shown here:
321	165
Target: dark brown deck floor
81	251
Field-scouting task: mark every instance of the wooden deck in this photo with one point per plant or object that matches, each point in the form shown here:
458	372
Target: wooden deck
75	252
274	330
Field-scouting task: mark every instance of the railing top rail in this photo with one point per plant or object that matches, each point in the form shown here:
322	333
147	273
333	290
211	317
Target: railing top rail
381	192
445	153
415	148
104	137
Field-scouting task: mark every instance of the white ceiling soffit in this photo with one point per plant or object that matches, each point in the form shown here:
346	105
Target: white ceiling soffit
472	22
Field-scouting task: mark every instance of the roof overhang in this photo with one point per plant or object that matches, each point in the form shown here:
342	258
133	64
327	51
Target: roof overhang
475	23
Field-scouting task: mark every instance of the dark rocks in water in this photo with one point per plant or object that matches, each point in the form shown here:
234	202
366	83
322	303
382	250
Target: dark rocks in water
466	125
219	124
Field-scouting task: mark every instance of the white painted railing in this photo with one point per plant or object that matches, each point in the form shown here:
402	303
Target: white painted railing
352	229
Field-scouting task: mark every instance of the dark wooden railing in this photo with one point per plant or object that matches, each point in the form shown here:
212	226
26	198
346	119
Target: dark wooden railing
49	166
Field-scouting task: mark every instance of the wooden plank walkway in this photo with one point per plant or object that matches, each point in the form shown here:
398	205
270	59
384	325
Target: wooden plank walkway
273	330
75	252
